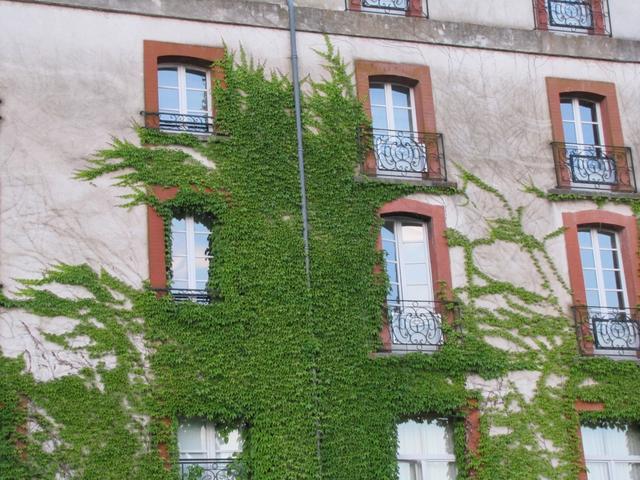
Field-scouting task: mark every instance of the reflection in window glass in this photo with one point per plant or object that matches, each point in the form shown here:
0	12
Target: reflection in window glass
425	450
190	253
612	453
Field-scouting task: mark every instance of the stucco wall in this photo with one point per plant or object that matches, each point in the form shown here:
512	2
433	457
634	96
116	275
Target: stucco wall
71	79
500	13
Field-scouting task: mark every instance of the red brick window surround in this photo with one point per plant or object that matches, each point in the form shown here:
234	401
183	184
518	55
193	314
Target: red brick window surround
604	95
625	227
433	217
576	16
418	79
156	240
156	53
409	8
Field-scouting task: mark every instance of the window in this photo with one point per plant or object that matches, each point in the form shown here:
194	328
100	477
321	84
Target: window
601	253
573	16
611	324
190	256
588	145
403	142
612	453
204	451
413	320
177	86
425	450
184	98
396	144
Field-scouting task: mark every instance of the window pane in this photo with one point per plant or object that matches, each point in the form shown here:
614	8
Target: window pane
612	279
615	300
622	441
588	111
439	438
590	279
410	439
402	119
633	440
569	130
168	77
394	293
606	240
201	243
168	99
627	471
440	470
593	299
376	94
196	101
179	269
196	79
199	227
408	471
178	243
392	272
202	269
609	259
590	134
415	275
597	471
233	444
592	441
387	231
414	252
379	117
584	238
586	256
191	437
566	109
400	96
412	232
389	250
178	224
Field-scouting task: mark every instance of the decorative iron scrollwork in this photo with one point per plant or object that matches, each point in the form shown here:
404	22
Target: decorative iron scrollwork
570	13
209	469
187	295
387	6
594	167
178	122
614	331
415	324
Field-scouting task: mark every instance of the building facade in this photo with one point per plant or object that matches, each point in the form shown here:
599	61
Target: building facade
470	307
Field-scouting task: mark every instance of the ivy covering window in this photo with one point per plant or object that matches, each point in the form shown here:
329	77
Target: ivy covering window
612	453
204	453
190	253
425	450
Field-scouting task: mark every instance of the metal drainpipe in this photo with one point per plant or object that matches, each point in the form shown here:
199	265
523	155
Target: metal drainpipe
303	194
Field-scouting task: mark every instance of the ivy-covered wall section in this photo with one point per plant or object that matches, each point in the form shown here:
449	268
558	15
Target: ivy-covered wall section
294	367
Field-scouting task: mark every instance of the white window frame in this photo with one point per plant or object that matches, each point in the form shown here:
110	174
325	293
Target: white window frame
210	438
579	122
610	459
388	97
182	90
190	252
420	462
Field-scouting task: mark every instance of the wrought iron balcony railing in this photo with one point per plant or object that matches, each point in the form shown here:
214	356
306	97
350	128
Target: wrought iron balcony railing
389	7
180	123
589	17
403	154
595	167
209	469
187	295
610	331
416	325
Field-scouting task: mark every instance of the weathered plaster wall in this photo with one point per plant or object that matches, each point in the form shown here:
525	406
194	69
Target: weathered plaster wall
72	78
499	13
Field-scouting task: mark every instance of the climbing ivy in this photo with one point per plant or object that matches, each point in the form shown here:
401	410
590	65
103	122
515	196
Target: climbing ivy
295	368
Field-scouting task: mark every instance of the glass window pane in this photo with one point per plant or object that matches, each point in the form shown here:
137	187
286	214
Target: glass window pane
440	470
633	440
201	242
412	232
196	79
233	444
200	228
606	240
394	293
414	253
410	439
415	274
592	441
590	134
392	272
196	101
379	117
400	96
402	119
615	300
627	471
612	279
179	269
566	109
178	243
569	130
376	94
191	437
178	224
593	299
597	471
584	238
168	77
586	256
588	111
408	471
168	99
590	279
389	250
202	269
439	437
387	231
609	259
